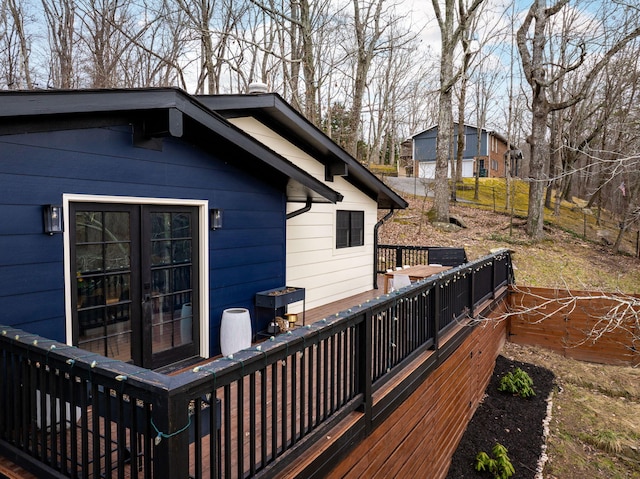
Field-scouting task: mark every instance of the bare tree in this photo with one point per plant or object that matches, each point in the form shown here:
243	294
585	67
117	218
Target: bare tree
541	75
60	16
451	33
103	22
297	26
393	73
15	44
369	27
211	25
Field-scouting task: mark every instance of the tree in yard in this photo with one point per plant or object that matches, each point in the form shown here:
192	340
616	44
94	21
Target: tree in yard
370	23
15	45
211	25
533	39
295	25
451	33
60	16
388	89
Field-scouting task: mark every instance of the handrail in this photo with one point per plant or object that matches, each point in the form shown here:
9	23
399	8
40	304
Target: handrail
237	416
397	256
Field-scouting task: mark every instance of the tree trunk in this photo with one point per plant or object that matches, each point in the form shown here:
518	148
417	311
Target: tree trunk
443	139
538	180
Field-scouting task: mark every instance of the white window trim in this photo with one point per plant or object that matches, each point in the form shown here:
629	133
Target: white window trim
203	253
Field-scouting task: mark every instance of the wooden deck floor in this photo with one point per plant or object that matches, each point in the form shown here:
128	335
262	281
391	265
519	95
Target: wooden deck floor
12	471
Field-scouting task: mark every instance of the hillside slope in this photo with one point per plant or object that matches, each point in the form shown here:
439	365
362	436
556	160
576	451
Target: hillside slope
560	260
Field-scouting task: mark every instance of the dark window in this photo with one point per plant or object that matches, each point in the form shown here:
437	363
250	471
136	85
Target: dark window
349	229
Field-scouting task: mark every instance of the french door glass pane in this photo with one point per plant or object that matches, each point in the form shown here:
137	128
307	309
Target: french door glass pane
171	280
181	225
103	278
88	258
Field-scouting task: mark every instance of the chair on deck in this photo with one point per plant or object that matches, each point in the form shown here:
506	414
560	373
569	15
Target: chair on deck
400	281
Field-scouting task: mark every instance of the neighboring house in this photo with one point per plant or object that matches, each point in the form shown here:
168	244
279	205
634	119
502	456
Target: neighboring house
489	158
141	272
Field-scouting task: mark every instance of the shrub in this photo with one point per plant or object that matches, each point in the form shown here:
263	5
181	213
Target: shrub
499	465
518	382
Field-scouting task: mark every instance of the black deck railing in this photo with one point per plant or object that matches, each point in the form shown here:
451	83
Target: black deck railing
65	412
397	256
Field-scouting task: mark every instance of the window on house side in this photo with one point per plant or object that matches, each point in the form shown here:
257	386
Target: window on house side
349	228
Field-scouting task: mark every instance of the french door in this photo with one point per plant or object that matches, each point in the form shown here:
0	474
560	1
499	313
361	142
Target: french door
135	275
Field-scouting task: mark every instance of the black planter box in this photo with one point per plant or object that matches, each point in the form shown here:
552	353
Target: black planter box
266	299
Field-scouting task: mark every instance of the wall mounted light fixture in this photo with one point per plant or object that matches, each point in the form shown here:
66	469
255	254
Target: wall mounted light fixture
215	218
52	216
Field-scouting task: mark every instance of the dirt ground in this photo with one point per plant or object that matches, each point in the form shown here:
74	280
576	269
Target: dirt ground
512	421
595	419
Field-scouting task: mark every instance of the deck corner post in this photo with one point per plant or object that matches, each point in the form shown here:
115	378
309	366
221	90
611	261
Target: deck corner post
171	451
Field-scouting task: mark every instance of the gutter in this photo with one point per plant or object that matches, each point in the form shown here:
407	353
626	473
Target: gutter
375	246
302	210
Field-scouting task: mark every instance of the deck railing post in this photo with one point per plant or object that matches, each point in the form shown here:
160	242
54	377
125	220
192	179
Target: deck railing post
472	293
493	277
365	355
170	418
399	251
437	297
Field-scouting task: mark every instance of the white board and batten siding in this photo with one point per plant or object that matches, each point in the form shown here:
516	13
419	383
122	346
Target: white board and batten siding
313	261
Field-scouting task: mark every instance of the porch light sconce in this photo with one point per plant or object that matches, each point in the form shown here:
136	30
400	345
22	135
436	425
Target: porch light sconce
52	216
215	218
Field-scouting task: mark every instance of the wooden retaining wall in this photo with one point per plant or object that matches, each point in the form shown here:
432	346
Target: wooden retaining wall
419	437
561	320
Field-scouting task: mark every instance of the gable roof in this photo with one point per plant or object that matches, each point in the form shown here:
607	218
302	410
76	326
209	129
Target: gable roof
155	113
272	110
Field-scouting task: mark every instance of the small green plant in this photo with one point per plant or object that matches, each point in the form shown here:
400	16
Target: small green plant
518	382
499	465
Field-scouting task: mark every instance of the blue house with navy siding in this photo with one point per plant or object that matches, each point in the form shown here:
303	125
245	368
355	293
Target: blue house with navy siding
488	155
141	271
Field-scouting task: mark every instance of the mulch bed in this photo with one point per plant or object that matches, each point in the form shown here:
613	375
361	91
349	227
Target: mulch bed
514	422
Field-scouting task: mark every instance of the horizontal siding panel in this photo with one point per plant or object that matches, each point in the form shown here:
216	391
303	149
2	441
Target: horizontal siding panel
30	278
31	249
307	245
20	218
245	274
273	140
303	233
256	254
36	306
328	263
114	165
225	241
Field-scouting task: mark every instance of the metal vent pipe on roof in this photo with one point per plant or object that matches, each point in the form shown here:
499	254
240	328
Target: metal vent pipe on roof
257	87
